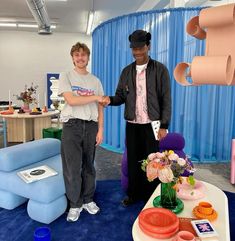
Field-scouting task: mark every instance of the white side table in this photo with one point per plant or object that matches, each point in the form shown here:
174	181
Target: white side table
214	195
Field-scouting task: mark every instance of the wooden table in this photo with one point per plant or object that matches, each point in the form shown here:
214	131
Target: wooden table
214	195
26	127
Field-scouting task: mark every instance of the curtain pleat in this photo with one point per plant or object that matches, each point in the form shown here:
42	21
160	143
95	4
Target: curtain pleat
204	115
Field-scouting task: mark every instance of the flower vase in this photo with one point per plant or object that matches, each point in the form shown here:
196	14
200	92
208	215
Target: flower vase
168	198
26	107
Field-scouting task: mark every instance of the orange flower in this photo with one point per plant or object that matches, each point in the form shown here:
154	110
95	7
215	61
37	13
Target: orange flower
168	167
152	170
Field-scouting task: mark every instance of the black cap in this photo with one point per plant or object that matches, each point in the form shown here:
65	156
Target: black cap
139	38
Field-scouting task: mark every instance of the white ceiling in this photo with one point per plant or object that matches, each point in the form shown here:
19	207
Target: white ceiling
72	15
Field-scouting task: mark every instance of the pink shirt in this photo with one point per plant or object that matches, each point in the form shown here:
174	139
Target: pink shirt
141	96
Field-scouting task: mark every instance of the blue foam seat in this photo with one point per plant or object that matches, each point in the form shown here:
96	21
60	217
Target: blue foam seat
47	199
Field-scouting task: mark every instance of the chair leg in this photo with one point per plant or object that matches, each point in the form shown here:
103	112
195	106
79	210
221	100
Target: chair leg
232	177
4	134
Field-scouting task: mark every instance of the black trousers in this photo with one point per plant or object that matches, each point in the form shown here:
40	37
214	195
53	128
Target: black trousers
140	143
77	152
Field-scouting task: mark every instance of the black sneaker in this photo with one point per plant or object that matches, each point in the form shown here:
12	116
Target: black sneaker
128	201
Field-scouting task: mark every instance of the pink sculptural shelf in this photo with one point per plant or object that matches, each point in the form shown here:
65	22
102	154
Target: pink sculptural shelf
216	25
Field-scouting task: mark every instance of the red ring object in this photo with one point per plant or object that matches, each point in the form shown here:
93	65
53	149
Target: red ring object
158	221
159	235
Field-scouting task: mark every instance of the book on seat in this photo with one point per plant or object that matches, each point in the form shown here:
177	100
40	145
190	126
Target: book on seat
36	173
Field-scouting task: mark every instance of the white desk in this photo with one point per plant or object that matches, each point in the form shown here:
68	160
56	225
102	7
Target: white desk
214	195
25	127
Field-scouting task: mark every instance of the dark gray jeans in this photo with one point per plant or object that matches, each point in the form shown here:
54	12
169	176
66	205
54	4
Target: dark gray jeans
78	152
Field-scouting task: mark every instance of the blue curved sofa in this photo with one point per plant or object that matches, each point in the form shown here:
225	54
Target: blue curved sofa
46	198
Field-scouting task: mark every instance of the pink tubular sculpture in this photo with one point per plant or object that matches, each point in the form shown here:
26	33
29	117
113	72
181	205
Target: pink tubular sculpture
217	26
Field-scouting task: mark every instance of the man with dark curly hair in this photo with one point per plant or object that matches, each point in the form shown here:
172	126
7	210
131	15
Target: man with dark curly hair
144	88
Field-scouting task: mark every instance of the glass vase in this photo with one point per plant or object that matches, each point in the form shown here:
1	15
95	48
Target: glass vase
26	107
168	198
168	195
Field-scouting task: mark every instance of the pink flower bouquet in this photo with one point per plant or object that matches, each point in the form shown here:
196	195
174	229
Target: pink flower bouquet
168	167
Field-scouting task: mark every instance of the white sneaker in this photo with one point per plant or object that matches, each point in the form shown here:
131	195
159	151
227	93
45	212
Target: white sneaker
73	214
91	208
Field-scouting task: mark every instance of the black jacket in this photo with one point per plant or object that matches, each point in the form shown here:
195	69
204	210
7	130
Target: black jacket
158	92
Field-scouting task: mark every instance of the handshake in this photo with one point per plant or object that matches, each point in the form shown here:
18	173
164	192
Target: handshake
103	100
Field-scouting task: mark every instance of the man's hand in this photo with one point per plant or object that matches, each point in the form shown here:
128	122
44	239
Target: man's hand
162	133
99	137
105	101
99	98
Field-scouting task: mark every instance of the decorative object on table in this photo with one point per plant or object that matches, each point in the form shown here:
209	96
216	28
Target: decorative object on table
185	191
168	167
21	111
204	210
186	225
184	236
7	112
10	108
158	222
173	141
28	96
45	109
35	111
204	229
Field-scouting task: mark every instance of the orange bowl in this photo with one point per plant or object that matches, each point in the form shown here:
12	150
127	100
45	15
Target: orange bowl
210	217
158	221
205	208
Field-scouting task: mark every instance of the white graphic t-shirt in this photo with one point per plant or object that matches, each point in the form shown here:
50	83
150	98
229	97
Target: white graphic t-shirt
80	85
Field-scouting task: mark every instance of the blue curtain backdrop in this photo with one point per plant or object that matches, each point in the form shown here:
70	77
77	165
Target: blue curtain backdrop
204	115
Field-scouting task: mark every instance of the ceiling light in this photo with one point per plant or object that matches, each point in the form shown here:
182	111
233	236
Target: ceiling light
7	24
90	22
24	25
31	25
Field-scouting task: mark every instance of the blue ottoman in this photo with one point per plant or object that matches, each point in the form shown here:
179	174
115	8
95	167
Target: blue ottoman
47	200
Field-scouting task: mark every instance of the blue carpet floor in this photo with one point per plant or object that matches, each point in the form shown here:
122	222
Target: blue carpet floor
113	223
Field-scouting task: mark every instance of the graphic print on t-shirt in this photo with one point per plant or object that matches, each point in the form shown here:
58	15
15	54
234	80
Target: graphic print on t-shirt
83	91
